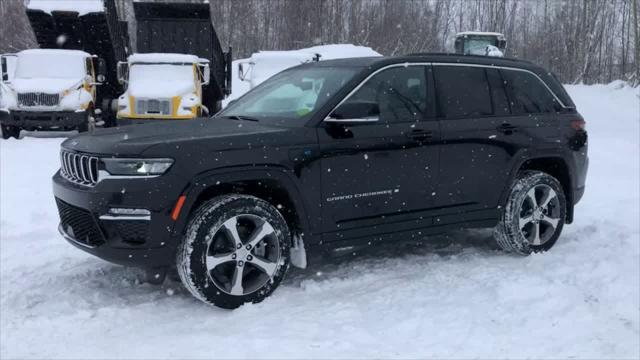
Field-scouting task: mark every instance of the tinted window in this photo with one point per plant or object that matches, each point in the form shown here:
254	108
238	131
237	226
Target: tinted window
499	98
527	93
400	92
462	91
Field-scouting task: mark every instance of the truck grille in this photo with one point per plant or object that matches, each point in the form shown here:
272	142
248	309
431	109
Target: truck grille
79	168
153	106
79	224
38	99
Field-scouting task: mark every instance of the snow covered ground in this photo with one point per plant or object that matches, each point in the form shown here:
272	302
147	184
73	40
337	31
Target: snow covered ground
454	296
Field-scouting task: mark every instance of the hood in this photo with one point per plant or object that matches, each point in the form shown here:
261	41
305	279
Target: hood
43	85
213	134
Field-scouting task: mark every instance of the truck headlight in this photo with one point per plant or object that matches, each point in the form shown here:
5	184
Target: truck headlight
136	167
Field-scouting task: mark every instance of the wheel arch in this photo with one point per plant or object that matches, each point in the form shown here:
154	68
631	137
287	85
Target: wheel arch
273	185
555	166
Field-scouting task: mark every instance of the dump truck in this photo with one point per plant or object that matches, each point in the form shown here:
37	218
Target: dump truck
59	96
162	86
92	26
480	43
185	28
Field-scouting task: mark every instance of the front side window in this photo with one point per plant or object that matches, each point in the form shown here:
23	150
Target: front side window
527	94
292	96
463	92
399	92
477	45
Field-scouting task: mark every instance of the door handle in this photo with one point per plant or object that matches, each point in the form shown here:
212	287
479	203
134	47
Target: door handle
420	135
507	128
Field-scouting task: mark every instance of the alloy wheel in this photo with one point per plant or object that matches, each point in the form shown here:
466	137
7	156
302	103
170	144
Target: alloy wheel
242	255
539	214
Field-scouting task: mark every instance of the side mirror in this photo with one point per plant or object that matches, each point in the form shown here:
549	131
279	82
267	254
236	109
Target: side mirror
206	74
5	70
123	72
357	112
102	71
243	70
502	44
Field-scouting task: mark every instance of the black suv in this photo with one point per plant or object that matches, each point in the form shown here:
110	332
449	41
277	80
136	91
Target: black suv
340	153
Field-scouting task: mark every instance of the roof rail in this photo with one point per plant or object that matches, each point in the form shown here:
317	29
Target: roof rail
467	56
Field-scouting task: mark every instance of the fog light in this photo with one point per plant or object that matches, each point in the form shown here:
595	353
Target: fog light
126	211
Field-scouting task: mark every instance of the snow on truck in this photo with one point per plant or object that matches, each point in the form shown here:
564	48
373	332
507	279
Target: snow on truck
162	86
50	89
480	43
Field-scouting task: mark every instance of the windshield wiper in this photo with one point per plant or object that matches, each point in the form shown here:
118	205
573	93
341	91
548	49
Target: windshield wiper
240	117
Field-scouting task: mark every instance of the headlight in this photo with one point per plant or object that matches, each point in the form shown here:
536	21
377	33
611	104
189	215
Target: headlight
140	167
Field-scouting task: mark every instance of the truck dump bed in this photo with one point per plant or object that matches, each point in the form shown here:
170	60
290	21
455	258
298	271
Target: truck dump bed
185	28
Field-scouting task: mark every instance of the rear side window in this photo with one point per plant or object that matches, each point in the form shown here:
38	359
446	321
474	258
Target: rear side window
499	98
462	92
527	94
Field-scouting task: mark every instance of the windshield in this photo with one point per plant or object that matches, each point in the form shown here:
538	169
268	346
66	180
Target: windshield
50	66
292	96
161	72
478	45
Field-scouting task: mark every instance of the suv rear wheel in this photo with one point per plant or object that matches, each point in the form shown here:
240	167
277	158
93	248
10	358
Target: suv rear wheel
235	250
533	217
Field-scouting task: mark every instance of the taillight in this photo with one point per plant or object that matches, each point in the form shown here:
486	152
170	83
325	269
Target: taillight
578	124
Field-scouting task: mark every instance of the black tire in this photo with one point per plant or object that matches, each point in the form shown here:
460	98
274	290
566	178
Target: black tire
208	240
87	124
528	225
9	131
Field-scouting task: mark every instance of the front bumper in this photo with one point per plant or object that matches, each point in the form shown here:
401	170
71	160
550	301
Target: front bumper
142	241
45	120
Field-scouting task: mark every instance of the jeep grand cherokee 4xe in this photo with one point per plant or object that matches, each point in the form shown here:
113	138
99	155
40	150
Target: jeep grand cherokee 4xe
340	152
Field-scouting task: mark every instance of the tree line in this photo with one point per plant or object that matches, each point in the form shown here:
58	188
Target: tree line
581	41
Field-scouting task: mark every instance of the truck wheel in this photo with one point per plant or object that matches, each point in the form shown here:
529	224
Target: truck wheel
90	121
534	215
9	131
235	251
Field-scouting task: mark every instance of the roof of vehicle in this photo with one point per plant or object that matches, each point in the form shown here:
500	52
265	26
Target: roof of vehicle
167	58
480	33
54	52
81	7
376	62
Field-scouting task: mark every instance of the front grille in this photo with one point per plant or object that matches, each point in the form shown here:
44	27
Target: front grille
79	168
79	224
153	107
38	99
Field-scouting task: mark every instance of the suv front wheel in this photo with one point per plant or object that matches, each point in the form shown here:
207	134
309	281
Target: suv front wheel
235	250
534	214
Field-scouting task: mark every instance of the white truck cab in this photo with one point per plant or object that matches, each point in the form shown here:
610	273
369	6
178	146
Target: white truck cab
162	86
50	89
264	64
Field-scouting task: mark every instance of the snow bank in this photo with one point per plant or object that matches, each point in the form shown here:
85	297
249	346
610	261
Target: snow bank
82	7
269	63
452	296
